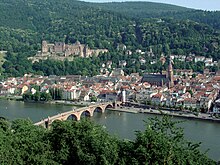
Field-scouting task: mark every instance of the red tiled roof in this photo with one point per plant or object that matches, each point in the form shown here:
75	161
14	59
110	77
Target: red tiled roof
216	78
158	95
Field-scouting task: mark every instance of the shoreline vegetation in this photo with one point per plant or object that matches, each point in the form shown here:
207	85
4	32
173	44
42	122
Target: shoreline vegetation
162	142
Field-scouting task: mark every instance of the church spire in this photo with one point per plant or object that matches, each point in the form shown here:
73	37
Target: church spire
170	73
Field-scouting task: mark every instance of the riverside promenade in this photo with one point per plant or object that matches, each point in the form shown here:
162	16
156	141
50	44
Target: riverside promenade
181	114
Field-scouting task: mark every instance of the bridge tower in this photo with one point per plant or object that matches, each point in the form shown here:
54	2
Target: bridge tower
123	98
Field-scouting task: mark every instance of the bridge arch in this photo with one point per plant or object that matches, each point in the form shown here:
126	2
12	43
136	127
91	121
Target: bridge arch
72	117
108	106
85	113
98	109
77	114
48	123
2	118
56	120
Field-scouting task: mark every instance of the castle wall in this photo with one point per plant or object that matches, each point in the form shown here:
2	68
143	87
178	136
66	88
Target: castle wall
59	47
76	49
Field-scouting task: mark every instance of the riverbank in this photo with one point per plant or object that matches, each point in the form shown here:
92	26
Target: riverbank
180	114
14	98
204	117
69	103
124	110
57	102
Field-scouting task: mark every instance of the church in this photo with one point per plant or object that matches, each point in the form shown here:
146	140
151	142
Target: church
160	79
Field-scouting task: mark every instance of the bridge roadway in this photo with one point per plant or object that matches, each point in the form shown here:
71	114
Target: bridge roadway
76	114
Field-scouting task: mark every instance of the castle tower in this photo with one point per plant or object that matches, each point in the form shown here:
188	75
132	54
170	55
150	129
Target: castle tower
170	74
80	47
85	51
44	48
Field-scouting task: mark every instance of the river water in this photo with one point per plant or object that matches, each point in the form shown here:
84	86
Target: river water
120	124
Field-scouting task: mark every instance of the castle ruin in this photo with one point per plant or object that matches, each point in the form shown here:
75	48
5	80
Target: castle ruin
61	51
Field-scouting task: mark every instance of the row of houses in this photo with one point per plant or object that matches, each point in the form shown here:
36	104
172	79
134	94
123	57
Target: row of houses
192	57
184	58
198	92
73	87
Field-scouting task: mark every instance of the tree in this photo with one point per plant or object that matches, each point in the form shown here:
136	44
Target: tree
45	96
79	143
25	143
56	93
27	96
149	102
4	124
93	99
36	96
84	142
163	143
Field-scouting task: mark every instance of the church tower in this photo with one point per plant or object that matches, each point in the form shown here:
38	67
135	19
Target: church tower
170	73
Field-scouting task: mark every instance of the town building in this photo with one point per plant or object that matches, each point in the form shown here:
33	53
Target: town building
161	79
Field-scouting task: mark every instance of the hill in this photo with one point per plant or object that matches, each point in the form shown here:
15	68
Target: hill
211	18
24	23
140	9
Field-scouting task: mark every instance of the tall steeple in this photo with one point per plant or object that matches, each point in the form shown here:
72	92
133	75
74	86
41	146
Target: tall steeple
170	73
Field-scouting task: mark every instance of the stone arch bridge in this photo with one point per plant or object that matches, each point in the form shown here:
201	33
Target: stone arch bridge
77	113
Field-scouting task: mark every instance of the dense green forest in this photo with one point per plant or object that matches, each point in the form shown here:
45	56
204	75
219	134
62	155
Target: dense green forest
158	10
141	9
84	142
167	29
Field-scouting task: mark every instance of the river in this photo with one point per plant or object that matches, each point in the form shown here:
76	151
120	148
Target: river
120	124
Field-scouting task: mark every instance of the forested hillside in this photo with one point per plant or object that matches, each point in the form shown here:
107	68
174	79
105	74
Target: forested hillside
140	9
211	18
37	15
25	23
